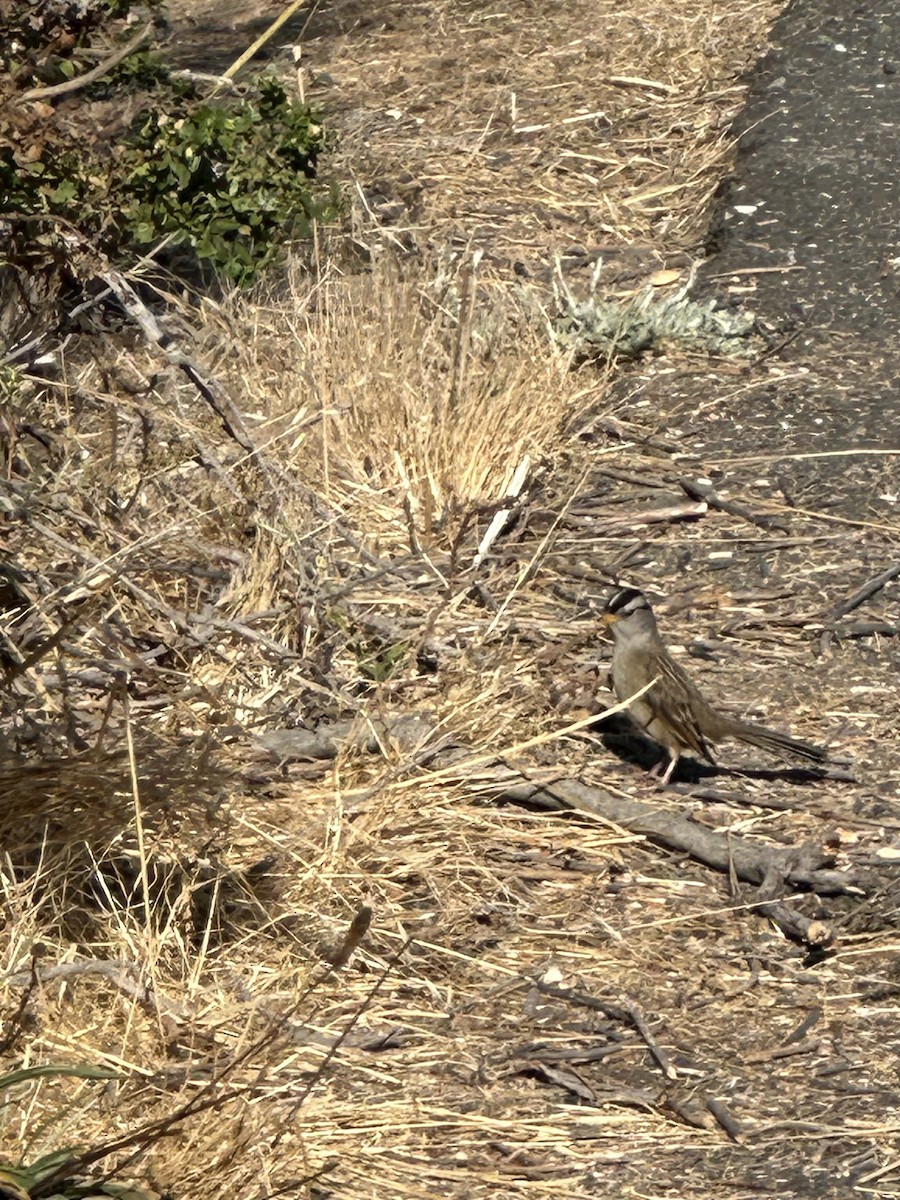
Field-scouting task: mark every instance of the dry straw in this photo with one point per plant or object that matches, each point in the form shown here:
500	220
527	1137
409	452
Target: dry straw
177	896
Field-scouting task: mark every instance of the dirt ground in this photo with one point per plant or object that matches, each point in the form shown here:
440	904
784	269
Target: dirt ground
546	1003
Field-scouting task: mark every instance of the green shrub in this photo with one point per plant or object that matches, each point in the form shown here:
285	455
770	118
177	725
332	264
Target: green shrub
136	157
232	181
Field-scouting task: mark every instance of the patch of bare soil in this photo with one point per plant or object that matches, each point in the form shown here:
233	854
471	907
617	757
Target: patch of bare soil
317	831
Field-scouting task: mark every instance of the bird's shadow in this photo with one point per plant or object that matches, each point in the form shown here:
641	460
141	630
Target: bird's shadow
625	740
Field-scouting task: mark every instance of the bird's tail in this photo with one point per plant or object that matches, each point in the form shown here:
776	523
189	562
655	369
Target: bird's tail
780	744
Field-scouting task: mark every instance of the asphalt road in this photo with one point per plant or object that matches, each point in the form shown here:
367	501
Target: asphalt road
818	175
807	235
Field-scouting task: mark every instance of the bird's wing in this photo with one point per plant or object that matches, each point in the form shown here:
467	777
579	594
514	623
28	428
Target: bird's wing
674	700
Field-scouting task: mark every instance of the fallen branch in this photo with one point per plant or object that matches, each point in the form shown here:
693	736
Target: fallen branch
861	629
623	1010
101	69
724	1118
804	867
769	868
109	968
613	526
699	490
813	932
863	593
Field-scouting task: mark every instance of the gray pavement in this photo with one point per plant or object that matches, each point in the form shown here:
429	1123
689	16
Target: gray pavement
818	174
807	235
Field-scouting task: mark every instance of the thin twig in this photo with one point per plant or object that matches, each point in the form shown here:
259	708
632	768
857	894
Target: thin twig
264	37
624	1010
208	387
731	1126
698	490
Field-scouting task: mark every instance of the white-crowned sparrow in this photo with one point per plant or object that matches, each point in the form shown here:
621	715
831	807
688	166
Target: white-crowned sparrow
672	711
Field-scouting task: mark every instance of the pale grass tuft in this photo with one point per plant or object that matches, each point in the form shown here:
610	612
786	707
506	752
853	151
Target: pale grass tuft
428	407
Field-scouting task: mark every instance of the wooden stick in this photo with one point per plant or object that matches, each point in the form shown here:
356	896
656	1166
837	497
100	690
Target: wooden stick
264	37
73	85
863	593
724	1118
698	490
502	515
624	1010
866	629
752	862
208	388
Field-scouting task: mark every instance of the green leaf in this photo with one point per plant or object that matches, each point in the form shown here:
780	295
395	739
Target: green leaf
14	1182
63	192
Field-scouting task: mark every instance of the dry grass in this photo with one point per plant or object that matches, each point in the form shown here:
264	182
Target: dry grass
331	577
372	396
149	863
531	133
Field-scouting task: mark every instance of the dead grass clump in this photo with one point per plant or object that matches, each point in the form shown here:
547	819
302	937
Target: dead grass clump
176	926
407	400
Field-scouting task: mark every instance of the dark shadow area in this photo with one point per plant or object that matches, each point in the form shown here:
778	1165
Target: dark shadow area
209	38
623	739
211	43
69	831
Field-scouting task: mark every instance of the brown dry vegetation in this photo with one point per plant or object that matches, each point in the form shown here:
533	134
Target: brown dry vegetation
199	599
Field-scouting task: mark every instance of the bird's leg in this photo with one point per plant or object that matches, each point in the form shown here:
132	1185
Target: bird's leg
656	771
673	763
